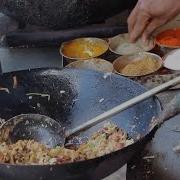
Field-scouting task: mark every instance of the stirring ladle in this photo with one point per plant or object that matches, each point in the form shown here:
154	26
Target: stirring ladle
47	131
36	127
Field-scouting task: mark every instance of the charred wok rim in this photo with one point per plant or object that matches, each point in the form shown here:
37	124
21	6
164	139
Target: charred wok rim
106	156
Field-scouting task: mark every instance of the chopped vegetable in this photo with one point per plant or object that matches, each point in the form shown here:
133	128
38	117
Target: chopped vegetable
39	94
107	140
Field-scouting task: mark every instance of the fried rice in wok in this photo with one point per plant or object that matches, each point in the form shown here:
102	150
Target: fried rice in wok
28	152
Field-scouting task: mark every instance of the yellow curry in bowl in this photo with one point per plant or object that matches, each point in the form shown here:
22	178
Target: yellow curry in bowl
84	48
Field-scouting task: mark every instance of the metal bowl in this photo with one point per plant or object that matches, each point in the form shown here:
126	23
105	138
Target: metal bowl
121	45
123	61
93	64
163	45
85	44
165	49
171	66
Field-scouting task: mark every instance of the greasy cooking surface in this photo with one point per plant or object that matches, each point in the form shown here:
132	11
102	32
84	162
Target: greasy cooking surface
108	139
73	97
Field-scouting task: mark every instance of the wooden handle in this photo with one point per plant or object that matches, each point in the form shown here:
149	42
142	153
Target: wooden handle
123	106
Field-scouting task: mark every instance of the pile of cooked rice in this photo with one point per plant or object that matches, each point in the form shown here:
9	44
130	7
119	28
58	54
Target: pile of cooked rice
110	138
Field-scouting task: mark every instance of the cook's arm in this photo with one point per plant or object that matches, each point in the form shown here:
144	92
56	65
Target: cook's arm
148	15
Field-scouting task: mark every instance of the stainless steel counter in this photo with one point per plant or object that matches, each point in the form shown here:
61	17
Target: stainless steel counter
20	59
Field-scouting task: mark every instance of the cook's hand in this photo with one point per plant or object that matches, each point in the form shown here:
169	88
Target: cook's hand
148	15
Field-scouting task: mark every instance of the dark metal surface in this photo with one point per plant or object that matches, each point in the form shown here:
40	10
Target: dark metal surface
15	59
158	160
74	94
55	38
75	97
167	161
36	127
59	14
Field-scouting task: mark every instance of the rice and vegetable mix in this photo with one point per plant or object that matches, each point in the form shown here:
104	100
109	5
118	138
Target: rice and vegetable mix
108	139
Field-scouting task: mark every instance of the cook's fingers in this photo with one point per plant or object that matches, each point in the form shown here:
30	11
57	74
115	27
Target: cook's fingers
140	25
152	26
132	18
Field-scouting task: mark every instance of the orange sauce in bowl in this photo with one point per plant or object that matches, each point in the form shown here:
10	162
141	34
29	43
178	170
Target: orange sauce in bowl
84	48
170	37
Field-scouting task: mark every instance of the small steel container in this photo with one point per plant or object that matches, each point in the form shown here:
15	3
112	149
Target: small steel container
83	48
93	64
123	61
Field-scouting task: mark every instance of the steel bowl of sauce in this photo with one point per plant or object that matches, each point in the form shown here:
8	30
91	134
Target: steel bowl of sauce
168	40
83	48
121	45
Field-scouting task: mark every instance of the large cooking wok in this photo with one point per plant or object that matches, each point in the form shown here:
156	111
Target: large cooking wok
82	100
60	14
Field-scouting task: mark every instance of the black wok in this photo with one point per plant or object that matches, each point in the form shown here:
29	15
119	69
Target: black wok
72	97
60	14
